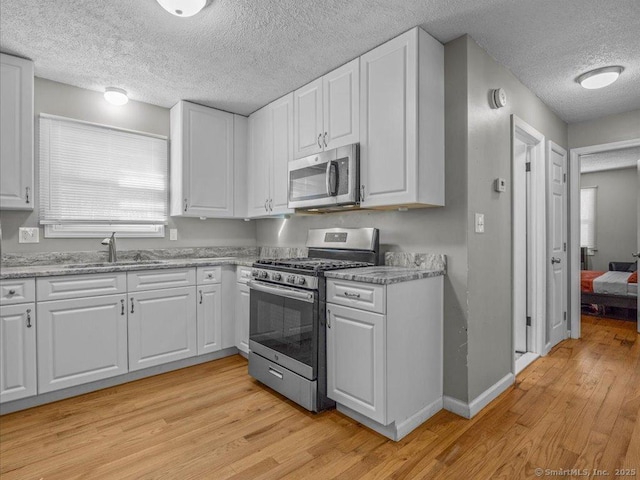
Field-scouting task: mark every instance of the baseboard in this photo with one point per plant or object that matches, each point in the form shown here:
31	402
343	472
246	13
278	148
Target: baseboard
471	409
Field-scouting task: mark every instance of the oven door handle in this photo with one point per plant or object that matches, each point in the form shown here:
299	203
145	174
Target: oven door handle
282	292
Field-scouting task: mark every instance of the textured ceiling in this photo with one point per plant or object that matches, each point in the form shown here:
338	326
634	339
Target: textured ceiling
238	55
612	160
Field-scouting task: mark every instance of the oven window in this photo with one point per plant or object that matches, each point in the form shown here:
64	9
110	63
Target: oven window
308	183
284	325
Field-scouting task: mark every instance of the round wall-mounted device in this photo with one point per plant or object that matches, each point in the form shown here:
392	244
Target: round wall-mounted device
498	98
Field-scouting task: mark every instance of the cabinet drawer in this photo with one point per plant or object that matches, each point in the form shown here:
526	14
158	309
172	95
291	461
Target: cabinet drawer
243	274
20	290
79	286
207	275
154	279
364	296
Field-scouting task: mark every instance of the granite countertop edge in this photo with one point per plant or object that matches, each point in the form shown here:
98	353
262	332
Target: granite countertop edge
7	273
384	275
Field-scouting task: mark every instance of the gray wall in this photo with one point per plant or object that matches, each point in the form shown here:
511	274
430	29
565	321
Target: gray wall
613	128
68	101
616	215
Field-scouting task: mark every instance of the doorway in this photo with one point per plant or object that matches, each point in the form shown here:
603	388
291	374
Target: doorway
575	216
529	242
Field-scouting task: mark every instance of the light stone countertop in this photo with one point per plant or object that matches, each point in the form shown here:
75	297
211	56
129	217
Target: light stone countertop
384	275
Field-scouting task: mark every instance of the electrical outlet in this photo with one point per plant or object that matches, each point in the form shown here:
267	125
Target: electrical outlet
173	234
28	235
479	222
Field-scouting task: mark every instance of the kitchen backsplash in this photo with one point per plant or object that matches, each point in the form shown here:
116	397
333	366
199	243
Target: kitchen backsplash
423	261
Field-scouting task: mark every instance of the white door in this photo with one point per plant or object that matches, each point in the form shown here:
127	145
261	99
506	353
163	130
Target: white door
243	307
356	376
281	113
259	162
16	131
388	122
17	351
637	254
557	286
308	123
521	155
162	326
209	318
341	109
208	166
81	340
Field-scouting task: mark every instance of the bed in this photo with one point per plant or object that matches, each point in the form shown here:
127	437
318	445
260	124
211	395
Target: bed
617	287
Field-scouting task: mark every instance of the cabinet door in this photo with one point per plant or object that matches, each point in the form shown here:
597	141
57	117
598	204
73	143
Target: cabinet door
388	122
242	318
162	326
16	131
209	315
308	125
341	97
259	163
81	340
281	113
356	359
207	161
17	351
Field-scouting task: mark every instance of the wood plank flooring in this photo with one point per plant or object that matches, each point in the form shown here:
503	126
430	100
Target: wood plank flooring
577	408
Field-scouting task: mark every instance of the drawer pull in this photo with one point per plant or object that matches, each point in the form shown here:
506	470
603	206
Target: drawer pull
131	304
276	373
210	275
28	318
351	295
12	292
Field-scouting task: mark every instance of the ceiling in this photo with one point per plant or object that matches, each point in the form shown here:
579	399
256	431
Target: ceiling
610	160
238	55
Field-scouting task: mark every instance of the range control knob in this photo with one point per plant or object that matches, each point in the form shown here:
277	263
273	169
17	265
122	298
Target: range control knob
301	281
264	274
254	273
276	276
291	279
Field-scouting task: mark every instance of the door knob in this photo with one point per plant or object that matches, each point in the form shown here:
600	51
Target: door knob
555	260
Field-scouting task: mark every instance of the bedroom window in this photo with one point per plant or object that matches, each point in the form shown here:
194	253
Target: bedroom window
96	179
588	217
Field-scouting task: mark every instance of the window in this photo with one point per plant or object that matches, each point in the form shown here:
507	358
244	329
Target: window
96	179
588	217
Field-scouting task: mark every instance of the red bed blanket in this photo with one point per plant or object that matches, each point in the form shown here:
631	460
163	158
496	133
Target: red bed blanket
588	276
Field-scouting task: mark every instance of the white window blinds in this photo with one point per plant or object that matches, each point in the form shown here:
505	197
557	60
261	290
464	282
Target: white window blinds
93	174
588	217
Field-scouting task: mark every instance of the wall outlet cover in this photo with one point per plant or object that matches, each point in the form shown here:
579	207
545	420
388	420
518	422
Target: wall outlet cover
28	235
173	234
500	185
479	222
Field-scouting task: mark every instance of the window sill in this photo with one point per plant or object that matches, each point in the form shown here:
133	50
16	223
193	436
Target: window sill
99	231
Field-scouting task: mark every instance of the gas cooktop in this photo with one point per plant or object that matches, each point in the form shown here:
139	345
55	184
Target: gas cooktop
310	264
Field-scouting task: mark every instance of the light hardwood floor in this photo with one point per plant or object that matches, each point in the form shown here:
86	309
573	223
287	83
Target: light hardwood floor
576	408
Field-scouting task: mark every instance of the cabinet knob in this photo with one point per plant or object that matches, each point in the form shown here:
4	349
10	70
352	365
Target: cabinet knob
12	292
210	275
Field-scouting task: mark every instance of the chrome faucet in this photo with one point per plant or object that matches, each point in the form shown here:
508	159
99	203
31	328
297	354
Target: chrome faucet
111	241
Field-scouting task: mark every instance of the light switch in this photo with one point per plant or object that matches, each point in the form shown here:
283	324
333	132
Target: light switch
28	235
173	234
479	222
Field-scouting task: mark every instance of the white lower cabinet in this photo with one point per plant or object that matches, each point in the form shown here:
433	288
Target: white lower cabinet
162	326
356	360
243	307
17	351
209	318
81	340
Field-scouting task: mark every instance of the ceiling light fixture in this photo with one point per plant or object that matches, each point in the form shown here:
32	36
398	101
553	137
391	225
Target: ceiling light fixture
115	96
183	8
600	77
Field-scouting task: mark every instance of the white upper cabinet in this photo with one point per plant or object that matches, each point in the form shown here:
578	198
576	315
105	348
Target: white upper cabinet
270	149
202	161
402	122
326	113
16	132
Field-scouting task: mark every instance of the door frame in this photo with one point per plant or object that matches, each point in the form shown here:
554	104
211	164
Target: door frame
574	221
525	132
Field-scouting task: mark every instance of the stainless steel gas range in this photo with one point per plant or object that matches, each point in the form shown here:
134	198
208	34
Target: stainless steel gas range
287	340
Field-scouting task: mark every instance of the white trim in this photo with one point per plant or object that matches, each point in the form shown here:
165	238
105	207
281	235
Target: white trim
103	125
83	230
471	409
525	360
574	222
538	241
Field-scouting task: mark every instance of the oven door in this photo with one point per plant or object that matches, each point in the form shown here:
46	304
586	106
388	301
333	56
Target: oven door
283	326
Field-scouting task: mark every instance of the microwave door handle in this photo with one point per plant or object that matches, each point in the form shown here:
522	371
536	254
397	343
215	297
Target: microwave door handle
282	292
332	179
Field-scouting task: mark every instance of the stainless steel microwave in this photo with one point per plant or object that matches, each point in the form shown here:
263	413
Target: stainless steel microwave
327	179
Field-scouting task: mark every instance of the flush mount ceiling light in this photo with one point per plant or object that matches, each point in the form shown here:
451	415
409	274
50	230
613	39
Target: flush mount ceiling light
600	77
183	8
115	96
